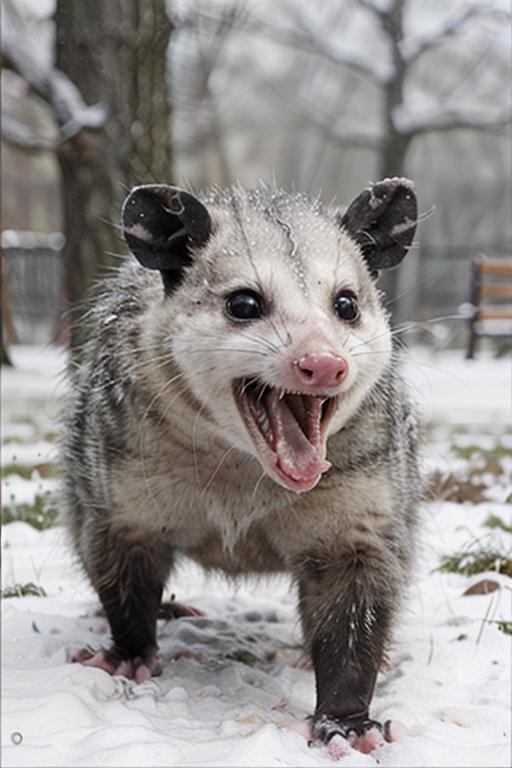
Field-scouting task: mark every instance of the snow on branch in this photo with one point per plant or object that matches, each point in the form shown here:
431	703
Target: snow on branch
345	133
413	46
71	112
15	132
380	7
307	34
450	118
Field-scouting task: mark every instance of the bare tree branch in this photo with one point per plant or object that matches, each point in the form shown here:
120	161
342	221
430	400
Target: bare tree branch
447	119
207	33
308	35
71	112
378	7
340	131
413	46
22	136
346	134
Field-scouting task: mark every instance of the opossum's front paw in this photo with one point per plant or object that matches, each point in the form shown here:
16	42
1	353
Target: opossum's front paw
139	668
354	732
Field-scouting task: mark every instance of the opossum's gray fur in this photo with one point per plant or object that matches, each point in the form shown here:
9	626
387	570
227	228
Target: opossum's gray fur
147	471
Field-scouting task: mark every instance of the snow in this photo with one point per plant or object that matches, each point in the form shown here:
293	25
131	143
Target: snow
450	389
451	24
449	674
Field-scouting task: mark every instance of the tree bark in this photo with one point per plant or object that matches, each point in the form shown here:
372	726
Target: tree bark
394	147
115	52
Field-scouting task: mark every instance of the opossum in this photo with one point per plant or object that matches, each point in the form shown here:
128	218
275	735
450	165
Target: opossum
239	402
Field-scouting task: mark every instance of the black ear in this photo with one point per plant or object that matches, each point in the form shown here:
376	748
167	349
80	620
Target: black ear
161	224
382	220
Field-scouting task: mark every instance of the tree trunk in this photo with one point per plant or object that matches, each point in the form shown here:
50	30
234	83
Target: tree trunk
8	332
4	355
115	52
395	145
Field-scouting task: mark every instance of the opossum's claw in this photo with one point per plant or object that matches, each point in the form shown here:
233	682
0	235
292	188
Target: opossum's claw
339	735
371	739
139	668
174	610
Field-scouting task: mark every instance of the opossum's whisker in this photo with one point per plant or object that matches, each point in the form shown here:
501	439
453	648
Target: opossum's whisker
429	320
181	391
260	395
419	365
274	326
202	350
248	384
238	215
257	485
288	339
370	352
137	353
411	325
299	523
142	442
154	363
259	340
196	424
113	224
120	256
425	281
425	215
216	470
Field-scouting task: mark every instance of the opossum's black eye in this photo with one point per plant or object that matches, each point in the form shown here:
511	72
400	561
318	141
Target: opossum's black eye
346	306
244	305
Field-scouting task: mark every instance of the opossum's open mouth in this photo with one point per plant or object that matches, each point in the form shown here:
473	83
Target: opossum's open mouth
289	431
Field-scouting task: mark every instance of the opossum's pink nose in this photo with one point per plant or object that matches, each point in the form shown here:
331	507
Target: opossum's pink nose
320	369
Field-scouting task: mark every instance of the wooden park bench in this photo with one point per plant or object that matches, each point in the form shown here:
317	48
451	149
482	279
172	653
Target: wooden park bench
491	300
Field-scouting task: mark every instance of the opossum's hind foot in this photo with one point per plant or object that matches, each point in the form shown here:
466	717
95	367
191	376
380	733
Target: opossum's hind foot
375	737
139	668
365	736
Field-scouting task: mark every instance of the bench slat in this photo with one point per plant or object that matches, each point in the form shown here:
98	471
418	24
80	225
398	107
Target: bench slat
494	313
495	267
496	291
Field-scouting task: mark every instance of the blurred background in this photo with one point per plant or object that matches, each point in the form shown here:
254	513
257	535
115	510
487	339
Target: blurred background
323	97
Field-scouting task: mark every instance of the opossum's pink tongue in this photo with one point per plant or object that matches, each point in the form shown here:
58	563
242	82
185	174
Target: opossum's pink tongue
298	456
288	431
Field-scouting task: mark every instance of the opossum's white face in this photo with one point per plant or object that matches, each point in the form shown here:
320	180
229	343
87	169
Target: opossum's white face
280	334
279	331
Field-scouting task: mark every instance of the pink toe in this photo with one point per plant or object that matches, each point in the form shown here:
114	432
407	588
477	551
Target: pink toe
338	747
125	668
372	739
142	674
100	662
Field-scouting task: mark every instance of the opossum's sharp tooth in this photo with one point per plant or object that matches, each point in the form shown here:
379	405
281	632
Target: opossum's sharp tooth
263	423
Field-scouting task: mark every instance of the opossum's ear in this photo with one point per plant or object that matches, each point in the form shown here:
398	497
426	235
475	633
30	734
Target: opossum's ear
161	224
382	220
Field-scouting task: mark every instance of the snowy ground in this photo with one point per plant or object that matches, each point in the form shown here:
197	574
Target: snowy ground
234	703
